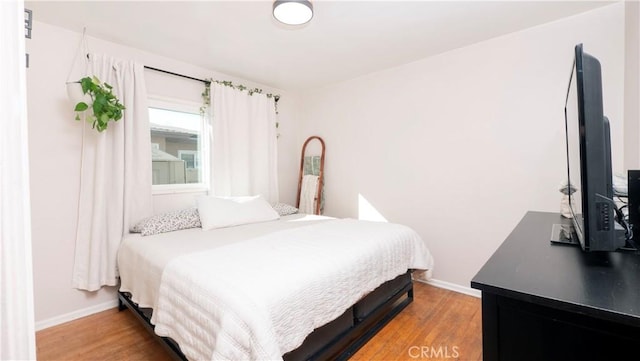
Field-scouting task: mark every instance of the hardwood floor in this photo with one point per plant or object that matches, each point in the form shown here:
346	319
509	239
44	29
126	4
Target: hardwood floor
110	335
437	325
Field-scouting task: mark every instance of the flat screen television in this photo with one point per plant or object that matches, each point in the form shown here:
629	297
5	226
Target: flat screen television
588	144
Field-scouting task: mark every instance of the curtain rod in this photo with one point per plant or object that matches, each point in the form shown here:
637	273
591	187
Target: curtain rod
172	73
176	74
276	98
207	82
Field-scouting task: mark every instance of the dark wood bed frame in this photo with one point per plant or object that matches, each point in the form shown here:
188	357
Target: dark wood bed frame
337	340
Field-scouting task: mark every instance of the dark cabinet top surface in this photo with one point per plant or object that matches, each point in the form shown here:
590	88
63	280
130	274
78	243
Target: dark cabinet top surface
528	267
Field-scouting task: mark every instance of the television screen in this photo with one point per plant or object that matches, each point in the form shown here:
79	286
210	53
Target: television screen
589	157
573	154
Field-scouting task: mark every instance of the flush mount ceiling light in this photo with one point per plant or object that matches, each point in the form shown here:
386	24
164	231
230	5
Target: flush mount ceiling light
292	12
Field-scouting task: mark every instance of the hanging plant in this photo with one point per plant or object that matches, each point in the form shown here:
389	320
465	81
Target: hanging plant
104	106
206	102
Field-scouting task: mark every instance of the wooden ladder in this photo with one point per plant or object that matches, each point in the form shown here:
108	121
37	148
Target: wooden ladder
317	198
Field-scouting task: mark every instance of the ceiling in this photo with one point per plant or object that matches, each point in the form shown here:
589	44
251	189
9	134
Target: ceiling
345	39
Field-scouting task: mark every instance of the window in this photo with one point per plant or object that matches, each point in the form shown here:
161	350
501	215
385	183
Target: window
177	146
190	157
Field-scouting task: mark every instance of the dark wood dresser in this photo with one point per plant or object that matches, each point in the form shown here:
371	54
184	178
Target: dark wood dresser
553	302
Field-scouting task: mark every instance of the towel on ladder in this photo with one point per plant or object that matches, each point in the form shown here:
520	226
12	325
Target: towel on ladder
312	165
308	194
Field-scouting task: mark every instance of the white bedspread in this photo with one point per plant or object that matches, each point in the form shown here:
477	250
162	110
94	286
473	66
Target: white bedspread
141	260
260	298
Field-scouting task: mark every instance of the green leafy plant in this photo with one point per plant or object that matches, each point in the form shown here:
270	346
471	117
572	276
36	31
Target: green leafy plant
105	106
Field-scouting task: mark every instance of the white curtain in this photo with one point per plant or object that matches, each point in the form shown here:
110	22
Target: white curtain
17	330
244	148
115	181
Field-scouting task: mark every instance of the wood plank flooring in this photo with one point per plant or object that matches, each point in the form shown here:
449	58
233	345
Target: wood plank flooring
438	325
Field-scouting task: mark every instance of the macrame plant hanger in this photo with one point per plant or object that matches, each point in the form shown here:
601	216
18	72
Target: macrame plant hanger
311	169
76	95
74	89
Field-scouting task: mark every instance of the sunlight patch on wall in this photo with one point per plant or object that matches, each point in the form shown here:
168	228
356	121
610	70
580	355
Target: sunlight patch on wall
368	212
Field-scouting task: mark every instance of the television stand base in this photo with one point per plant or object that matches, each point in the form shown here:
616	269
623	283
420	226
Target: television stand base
563	234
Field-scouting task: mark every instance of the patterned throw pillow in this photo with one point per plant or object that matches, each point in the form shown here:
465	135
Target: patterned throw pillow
284	209
168	222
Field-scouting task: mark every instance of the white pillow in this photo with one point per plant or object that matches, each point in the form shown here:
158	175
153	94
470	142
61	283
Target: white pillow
219	212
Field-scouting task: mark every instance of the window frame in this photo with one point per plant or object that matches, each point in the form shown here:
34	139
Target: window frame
184	106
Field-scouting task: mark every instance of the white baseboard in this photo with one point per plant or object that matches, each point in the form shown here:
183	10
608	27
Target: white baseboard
54	321
453	287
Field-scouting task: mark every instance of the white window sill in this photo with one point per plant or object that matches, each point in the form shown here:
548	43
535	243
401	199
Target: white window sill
178	188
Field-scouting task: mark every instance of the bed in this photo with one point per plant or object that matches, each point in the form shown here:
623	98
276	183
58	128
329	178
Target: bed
300	287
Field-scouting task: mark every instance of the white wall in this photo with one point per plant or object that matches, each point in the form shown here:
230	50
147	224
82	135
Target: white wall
55	139
460	145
